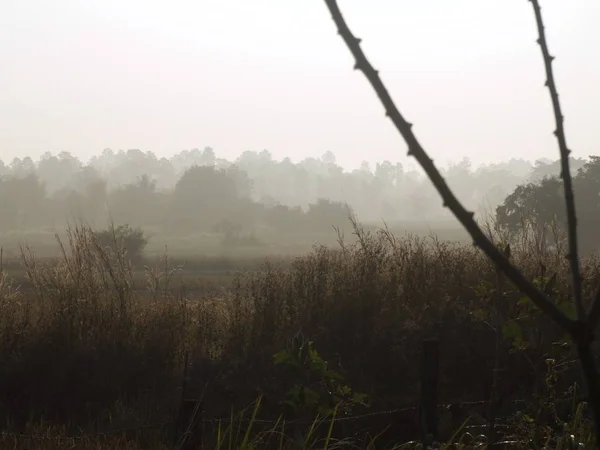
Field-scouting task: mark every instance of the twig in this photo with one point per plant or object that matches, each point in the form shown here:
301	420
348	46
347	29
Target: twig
588	322
415	149
564	163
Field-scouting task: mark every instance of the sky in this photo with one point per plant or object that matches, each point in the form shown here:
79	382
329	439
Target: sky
239	75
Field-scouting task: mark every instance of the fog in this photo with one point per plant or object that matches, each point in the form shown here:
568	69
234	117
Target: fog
245	120
252	199
237	75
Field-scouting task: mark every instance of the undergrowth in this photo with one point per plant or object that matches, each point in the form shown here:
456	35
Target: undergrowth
85	350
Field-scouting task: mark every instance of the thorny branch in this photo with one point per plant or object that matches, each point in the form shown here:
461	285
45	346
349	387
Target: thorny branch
415	149
581	330
564	163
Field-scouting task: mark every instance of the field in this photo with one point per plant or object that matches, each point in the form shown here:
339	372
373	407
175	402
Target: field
91	345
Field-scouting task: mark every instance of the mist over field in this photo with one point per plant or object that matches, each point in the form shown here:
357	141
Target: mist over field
205	212
267	94
198	202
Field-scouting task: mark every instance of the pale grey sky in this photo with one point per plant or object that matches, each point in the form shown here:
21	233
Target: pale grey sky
82	75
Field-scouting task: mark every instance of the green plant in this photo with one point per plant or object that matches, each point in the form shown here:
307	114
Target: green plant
124	238
316	387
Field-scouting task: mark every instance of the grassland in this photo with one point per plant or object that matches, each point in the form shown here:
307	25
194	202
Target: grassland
90	344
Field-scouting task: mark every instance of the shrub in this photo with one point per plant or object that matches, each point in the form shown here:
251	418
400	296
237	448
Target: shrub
124	238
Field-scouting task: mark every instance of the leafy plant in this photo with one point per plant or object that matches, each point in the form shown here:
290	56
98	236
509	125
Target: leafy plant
316	388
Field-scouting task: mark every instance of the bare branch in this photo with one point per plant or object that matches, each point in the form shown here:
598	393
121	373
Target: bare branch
450	201
564	163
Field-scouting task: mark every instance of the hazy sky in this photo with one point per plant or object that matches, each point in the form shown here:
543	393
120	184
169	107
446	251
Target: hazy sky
83	75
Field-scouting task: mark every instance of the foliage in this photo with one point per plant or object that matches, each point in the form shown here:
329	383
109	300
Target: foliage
539	206
124	238
317	389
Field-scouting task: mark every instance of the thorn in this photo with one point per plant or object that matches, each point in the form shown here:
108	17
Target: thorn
444	204
539	41
551	58
409	125
410	152
356	66
546	83
387	114
555	132
358	41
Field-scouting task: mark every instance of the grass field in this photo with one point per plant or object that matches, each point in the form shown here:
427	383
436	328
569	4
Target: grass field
90	344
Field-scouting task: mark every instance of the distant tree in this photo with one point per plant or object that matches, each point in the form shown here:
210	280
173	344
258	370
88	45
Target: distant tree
22	167
205	195
324	214
22	201
143	195
208	157
539	204
544	168
285	219
124	237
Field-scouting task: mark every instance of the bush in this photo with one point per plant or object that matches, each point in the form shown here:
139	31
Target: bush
124	238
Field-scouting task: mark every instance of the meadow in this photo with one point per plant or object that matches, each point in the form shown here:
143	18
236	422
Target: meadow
92	345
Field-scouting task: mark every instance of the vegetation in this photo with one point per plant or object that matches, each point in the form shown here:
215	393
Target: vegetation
195	192
540	205
319	353
131	241
580	328
88	350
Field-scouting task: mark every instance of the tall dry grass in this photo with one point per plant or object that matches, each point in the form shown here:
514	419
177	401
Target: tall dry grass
86	349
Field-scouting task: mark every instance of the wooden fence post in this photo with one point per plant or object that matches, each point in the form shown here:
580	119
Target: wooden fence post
429	390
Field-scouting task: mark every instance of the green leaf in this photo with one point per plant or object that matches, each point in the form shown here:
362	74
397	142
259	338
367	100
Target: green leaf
360	398
332	375
568	308
481	314
282	357
311	397
513	332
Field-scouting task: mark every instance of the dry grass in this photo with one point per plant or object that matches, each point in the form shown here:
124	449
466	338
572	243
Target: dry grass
85	352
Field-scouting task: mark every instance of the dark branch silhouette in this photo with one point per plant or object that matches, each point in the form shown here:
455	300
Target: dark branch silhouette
415	149
580	330
564	163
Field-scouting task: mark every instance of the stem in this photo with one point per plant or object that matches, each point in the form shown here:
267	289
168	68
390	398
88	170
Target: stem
494	397
465	217
592	381
564	163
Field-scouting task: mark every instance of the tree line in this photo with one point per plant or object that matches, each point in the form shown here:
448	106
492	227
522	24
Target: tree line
197	191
